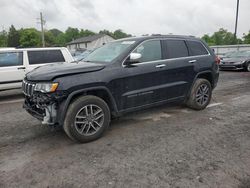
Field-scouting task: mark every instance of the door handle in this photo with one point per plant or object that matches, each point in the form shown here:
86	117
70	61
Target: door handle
20	68
192	61
160	66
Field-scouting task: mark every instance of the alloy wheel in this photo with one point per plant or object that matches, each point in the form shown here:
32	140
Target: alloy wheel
89	120
202	94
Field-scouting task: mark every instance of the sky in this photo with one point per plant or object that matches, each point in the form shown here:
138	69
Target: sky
137	17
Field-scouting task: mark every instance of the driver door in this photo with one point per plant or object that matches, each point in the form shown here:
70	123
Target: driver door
139	83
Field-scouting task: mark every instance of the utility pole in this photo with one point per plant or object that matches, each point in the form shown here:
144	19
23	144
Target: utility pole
42	22
236	21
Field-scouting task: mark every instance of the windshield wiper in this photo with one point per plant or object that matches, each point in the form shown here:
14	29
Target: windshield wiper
77	61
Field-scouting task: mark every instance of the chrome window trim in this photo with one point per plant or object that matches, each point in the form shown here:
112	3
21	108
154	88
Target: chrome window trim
164	60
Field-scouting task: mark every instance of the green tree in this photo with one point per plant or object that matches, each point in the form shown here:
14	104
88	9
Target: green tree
58	37
118	34
60	40
55	32
223	37
106	32
208	39
30	37
71	34
13	37
49	38
3	38
246	38
85	33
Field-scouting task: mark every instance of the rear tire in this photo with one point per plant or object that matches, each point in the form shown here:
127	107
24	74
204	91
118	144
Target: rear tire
200	94
87	118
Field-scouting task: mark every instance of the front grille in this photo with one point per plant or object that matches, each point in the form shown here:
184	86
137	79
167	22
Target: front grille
28	88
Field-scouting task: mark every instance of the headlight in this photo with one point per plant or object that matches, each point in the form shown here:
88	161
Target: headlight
46	87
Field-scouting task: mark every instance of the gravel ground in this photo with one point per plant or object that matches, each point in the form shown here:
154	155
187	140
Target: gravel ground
167	146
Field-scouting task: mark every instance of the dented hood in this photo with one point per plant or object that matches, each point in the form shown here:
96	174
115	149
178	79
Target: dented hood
51	71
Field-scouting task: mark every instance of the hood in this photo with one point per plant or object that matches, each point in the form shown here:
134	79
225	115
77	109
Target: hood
51	71
240	59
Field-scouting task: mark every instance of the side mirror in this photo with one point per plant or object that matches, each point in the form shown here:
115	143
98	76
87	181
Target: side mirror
133	58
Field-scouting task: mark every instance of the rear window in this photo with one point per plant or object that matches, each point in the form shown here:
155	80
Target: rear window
176	49
45	56
11	59
196	48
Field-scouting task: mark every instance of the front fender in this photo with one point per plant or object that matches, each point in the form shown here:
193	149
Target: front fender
63	106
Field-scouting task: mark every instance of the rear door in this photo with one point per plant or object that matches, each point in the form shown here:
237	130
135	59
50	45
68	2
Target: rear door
178	71
42	57
12	70
200	55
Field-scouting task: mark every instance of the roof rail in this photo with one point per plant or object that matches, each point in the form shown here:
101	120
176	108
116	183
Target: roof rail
156	35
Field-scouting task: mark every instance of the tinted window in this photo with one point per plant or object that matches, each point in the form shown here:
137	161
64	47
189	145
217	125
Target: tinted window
45	56
176	48
150	51
11	59
196	48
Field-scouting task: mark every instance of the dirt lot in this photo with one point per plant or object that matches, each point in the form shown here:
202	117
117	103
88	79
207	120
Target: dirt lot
161	147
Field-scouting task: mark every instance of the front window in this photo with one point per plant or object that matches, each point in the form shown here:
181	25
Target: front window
109	52
150	51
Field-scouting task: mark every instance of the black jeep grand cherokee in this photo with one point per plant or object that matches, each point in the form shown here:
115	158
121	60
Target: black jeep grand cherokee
122	76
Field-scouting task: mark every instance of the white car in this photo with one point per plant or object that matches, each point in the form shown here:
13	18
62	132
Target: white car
15	63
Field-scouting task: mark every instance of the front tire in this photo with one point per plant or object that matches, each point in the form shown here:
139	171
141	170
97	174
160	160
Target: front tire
86	119
200	95
248	67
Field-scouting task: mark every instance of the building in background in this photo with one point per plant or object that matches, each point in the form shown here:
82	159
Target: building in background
90	42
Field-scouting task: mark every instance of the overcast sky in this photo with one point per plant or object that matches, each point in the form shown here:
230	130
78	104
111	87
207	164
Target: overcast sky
188	17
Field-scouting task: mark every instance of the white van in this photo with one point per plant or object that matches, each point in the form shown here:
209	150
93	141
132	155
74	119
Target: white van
15	63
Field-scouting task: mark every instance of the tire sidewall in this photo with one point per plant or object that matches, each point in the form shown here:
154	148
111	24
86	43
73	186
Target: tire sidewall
248	67
74	109
192	100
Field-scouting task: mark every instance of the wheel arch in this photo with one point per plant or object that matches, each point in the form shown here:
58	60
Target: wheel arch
101	92
205	75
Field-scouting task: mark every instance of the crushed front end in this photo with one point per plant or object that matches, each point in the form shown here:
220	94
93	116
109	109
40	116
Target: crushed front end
42	105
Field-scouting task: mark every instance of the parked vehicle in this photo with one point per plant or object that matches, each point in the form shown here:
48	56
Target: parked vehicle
238	60
120	77
15	63
227	54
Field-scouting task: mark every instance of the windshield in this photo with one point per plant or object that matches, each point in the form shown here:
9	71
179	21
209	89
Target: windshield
238	54
109	52
82	55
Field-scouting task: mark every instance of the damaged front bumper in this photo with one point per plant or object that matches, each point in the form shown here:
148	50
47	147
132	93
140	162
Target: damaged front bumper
44	107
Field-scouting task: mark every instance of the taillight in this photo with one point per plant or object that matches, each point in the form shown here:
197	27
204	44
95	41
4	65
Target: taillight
217	60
